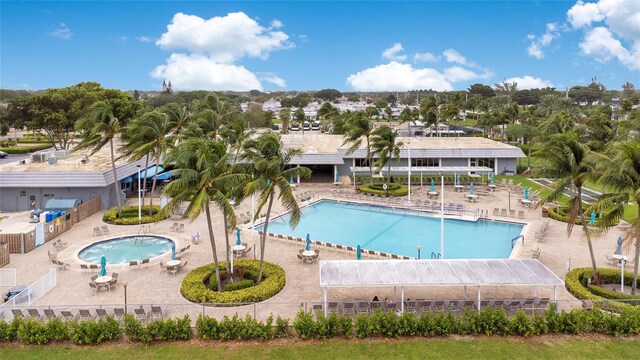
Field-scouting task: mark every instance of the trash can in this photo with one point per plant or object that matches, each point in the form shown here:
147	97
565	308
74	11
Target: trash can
545	212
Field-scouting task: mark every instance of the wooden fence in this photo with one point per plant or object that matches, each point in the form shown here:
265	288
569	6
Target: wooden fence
4	253
24	242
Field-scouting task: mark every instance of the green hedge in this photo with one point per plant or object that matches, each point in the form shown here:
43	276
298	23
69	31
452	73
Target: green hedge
194	289
392	189
130	215
576	283
25	149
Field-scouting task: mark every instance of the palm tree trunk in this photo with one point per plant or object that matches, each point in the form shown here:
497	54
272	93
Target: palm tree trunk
637	255
153	185
226	238
586	232
144	183
213	246
263	238
116	184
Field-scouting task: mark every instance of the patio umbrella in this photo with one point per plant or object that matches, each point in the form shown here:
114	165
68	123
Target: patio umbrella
593	218
619	248
458	180
526	193
471	191
103	266
238	242
358	255
433	185
492	179
173	251
291	179
308	247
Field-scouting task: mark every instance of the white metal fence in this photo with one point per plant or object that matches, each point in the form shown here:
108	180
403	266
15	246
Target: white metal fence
32	293
7	277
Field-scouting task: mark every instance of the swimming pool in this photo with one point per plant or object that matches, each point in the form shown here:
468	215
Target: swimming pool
122	250
381	229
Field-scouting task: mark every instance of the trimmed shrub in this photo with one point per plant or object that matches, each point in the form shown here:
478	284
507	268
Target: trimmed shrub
33	332
392	189
304	325
170	329
243	284
576	284
25	149
95	332
193	287
129	215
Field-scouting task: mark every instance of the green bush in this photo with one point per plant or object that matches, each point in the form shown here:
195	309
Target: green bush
392	189
129	215
304	325
33	332
576	284
283	330
193	286
243	284
95	332
9	331
58	330
170	329
235	328
134	330
25	149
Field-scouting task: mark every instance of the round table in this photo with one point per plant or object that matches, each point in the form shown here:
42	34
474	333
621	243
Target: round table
526	201
174	262
492	187
619	257
308	253
238	247
103	279
433	194
472	197
458	187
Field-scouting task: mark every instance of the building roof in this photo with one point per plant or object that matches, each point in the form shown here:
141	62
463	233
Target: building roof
426	169
374	273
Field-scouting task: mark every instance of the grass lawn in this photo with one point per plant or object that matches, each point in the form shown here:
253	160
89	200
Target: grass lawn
556	348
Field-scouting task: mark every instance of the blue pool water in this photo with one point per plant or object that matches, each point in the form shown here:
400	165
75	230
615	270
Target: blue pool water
122	250
378	228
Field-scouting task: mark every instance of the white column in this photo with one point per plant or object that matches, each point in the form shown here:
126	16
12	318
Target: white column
442	217
298	176
555	296
335	170
139	199
402	299
479	298
324	299
495	166
409	180
622	275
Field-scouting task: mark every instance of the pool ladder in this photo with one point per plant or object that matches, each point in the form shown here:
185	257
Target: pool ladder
435	256
144	230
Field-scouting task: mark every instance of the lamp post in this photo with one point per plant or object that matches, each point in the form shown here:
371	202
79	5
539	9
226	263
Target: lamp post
124	283
441	215
622	275
139	200
419	248
409	172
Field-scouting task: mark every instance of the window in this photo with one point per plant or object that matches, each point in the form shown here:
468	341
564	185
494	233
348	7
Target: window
425	162
49	195
360	162
487	162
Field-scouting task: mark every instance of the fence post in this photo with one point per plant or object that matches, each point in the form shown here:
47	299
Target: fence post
21	243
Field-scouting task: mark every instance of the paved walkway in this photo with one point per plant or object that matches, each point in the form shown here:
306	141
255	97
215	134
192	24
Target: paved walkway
149	286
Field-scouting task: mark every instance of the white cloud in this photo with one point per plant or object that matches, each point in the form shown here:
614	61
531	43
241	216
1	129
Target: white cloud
529	82
458	73
455	57
62	32
397	76
273	79
538	43
618	34
124	38
188	72
224	39
426	57
393	53
276	24
303	38
144	39
600	44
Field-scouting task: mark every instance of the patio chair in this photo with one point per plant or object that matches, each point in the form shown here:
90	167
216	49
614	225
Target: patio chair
112	284
97	231
512	213
101	313
144	261
496	211
300	257
410	306
134	265
85	314
163	268
17	313
35	314
543	303
105	229
67	315
515	305
62	265
84	268
332	308
174	227
115	275
180	228
118	314
498	304
453	306
363	307
172	269
104	286
246	251
156	312
141	315
317	309
93	278
528	304
348	308
438	305
94	267
93	286
470	305
503	212
49	314
521	214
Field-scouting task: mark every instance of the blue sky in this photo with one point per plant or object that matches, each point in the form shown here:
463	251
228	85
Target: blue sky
306	45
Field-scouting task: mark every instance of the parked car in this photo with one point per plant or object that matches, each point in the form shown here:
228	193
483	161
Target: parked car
3	154
275	127
306	126
315	126
295	127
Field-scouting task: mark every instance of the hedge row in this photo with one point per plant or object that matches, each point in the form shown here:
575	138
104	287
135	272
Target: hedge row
25	149
379	324
576	283
129	215
194	285
392	189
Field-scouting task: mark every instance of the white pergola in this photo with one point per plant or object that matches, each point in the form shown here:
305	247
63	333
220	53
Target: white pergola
418	273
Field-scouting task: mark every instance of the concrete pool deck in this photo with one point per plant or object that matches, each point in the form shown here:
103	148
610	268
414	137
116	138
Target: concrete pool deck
149	286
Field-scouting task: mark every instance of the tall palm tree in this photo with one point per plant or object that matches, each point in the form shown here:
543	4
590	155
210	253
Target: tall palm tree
269	163
358	127
565	159
385	145
406	117
620	171
430	111
101	127
203	177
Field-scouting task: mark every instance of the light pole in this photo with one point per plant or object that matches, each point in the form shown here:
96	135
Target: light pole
124	283
139	202
409	172
622	275
419	248
441	215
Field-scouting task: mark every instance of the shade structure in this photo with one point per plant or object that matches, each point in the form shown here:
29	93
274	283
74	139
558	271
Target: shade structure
151	170
173	250
619	247
592	220
358	253
127	180
308	247
238	242
103	266
433	186
471	189
526	193
165	175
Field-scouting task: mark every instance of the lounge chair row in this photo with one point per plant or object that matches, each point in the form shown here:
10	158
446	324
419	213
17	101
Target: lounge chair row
100	230
59	244
177	227
512	213
155	313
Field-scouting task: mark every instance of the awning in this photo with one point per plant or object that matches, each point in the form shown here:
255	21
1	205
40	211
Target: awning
166	175
150	172
127	180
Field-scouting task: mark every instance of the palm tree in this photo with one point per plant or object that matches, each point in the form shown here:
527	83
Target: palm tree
429	111
269	163
620	171
202	177
358	126
565	159
101	127
406	117
383	142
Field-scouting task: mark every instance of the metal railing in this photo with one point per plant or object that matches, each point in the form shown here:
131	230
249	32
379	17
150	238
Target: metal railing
32	293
